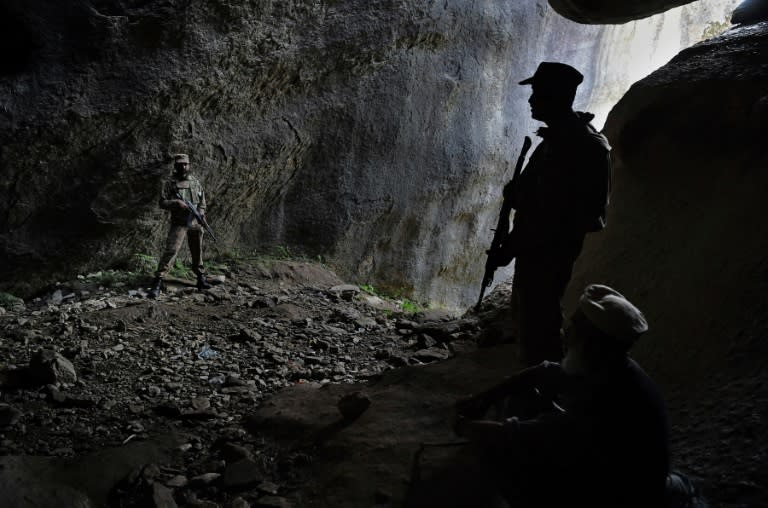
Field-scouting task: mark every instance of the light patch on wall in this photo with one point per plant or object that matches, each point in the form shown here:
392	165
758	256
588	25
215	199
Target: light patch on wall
631	51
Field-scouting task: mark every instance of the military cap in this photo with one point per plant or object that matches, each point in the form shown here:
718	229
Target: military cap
181	158
555	75
613	314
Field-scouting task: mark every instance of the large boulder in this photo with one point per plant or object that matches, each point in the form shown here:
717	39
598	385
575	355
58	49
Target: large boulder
379	456
83	482
685	224
686	242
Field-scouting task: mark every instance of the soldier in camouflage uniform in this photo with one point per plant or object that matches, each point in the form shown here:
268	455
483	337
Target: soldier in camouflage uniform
181	185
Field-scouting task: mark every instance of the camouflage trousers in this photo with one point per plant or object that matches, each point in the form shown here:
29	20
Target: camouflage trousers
173	243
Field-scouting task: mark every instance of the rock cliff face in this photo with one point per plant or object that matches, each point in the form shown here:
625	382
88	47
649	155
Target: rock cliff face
374	136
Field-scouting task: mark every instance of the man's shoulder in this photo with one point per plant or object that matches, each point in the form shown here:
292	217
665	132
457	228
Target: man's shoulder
583	135
194	181
590	139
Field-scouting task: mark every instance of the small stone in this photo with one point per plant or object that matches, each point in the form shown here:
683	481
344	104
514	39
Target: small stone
56	395
238	389
57	297
246	335
9	415
162	496
50	367
233	380
238	502
136	409
431	354
177	481
272	502
268	487
242	473
345	291
232	452
204	479
353	405
425	341
216	279
201	403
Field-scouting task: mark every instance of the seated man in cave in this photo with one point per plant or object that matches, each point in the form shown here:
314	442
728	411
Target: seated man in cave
181	187
560	196
591	431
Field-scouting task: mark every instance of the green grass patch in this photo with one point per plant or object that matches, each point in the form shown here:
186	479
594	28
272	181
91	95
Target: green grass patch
142	263
410	307
405	304
181	271
9	300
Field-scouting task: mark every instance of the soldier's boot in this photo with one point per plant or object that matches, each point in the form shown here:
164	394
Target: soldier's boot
157	287
202	284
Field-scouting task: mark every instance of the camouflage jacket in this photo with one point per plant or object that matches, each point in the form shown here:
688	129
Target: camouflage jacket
190	189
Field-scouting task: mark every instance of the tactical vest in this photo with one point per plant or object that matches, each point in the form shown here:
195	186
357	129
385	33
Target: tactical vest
190	189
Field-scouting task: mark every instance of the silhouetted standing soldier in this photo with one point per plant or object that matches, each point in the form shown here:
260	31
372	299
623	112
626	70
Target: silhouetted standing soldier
560	196
181	187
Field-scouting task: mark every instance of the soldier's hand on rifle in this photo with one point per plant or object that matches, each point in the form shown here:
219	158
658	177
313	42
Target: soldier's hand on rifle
181	204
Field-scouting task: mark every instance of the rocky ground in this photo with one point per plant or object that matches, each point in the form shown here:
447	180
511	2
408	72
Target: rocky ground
86	367
281	386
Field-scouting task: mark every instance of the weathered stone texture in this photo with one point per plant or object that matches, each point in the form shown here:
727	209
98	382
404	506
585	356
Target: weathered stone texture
686	236
372	134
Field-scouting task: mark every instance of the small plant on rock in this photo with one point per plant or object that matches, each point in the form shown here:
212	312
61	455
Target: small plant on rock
142	264
181	271
8	300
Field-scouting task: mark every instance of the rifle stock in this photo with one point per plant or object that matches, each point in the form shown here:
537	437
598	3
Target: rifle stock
502	227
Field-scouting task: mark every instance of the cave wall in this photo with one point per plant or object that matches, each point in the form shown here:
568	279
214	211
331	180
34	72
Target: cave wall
686	239
374	136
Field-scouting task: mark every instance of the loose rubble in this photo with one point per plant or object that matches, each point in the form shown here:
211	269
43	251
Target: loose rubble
87	367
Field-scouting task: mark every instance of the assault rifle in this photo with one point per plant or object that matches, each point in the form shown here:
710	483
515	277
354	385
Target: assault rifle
502	226
194	214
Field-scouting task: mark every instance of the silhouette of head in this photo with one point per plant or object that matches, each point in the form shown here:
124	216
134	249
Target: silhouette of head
554	88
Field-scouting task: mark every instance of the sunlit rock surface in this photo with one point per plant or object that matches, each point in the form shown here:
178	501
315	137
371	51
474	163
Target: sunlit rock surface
374	136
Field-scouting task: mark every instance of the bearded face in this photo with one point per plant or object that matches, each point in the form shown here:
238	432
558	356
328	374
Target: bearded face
181	169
